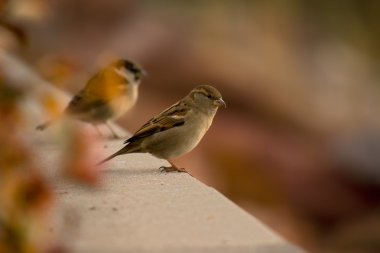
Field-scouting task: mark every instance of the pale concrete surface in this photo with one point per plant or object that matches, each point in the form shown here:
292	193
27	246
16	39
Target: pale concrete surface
140	209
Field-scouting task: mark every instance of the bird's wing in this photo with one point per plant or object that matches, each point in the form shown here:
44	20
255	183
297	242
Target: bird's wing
174	116
84	103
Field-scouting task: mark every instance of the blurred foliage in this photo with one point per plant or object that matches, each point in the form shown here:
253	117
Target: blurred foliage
82	149
25	197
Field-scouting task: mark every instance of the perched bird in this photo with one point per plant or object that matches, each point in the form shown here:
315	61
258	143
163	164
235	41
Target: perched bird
178	129
107	95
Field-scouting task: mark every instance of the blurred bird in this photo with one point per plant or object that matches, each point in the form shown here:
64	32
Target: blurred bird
178	129
107	95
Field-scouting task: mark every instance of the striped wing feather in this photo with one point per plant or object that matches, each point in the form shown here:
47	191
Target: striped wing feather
174	116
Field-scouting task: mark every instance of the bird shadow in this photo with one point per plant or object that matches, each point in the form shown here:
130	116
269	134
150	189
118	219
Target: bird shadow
133	171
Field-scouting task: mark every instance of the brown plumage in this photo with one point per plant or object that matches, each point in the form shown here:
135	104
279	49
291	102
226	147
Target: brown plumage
107	95
178	129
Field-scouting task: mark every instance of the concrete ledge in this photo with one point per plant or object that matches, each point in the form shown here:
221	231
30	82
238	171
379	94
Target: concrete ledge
140	209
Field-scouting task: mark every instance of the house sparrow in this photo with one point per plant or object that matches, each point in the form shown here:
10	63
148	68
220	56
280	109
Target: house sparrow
107	95
178	129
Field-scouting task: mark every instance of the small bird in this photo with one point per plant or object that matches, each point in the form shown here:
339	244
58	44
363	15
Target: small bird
178	129
107	95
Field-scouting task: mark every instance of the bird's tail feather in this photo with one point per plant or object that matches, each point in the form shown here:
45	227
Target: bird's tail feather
43	126
122	151
46	124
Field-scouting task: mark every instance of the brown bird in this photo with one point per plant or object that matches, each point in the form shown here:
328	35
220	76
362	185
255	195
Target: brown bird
178	129
107	95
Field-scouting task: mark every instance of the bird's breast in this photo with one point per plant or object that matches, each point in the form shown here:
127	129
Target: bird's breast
122	103
178	141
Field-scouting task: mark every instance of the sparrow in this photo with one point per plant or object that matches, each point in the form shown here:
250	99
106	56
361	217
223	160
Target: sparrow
178	129
107	95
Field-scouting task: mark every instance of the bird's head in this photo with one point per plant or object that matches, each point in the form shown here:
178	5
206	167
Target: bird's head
207	96
129	70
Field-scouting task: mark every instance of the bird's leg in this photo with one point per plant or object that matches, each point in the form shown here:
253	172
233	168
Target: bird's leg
98	130
114	135
172	168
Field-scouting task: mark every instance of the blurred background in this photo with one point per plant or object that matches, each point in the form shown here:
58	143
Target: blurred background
298	145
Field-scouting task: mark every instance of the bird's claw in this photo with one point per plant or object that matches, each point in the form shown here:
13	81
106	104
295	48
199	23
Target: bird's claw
171	169
114	137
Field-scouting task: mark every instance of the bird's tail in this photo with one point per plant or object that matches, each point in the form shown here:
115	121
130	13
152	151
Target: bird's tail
52	120
124	150
43	126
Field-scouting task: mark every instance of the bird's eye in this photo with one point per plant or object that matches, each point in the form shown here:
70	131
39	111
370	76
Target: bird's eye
209	96
128	66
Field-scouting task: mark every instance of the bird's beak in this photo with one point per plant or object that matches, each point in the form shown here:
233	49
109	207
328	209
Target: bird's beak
220	102
143	72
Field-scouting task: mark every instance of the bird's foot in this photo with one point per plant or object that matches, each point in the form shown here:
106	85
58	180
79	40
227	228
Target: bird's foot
43	126
172	169
114	137
40	127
